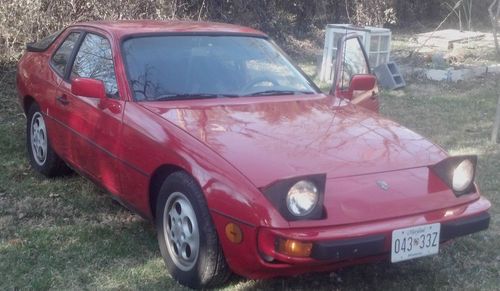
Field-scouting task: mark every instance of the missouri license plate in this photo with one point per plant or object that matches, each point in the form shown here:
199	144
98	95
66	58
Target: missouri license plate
414	242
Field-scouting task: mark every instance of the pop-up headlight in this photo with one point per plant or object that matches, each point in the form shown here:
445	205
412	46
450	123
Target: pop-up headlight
458	173
298	198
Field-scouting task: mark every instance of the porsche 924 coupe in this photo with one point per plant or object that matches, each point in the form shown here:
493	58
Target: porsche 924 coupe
239	159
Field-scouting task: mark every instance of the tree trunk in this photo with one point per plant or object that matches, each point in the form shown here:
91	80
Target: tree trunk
494	23
496	124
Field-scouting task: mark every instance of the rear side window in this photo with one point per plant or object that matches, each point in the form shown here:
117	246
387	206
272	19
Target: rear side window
61	57
44	43
94	60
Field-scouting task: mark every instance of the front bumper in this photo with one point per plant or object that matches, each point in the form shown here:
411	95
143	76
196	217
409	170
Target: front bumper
349	249
335	247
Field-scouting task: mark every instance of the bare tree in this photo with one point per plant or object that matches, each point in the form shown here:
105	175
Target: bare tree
494	12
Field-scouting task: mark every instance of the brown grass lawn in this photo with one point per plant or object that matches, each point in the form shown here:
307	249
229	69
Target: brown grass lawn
65	233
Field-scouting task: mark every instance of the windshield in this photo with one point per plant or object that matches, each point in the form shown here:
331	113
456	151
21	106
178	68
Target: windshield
187	67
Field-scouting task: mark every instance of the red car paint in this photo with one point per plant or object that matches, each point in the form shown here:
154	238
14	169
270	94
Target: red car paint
236	147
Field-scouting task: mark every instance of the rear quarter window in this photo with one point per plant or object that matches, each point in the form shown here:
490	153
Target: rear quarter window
44	43
61	57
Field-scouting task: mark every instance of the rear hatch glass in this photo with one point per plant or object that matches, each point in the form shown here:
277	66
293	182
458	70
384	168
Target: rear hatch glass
44	43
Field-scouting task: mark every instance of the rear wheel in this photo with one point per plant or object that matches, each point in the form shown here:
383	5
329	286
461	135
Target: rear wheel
186	235
41	155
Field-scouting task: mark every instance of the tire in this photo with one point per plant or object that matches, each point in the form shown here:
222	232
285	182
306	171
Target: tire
41	156
186	234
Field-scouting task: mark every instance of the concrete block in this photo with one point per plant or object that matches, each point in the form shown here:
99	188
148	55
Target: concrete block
437	75
478	71
494	68
389	76
461	74
458	75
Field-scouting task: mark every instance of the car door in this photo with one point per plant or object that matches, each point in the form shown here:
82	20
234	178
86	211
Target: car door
59	115
351	61
97	123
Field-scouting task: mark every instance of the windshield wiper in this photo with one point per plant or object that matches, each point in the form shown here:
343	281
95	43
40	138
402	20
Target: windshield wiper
188	96
280	92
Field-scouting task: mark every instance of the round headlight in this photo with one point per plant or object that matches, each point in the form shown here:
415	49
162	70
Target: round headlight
302	198
463	175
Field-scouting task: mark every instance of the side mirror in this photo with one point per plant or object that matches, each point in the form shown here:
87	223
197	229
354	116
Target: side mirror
363	82
87	87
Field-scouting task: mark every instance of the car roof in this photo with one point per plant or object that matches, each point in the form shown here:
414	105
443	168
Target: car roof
121	28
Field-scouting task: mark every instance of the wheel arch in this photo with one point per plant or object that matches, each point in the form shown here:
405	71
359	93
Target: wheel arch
28	100
219	185
156	181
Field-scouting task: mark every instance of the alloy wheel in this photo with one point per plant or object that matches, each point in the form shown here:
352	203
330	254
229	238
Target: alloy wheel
38	136
181	231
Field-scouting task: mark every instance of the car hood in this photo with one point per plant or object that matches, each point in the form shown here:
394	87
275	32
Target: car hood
270	138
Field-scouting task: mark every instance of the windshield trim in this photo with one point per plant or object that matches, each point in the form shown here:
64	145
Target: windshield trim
207	33
288	58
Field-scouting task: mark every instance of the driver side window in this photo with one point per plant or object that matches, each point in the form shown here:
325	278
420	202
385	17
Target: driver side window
354	62
94	60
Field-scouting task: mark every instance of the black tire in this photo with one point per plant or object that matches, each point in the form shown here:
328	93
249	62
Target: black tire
209	267
50	165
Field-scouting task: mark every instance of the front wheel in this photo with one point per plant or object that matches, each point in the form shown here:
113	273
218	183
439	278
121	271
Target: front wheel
41	155
186	235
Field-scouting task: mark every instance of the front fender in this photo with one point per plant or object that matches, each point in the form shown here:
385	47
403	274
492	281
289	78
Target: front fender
154	141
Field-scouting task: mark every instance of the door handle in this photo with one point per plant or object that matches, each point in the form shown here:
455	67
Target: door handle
63	100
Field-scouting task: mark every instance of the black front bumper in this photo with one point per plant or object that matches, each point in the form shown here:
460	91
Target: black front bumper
464	226
347	249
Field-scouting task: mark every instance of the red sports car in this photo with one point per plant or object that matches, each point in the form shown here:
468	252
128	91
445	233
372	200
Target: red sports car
243	164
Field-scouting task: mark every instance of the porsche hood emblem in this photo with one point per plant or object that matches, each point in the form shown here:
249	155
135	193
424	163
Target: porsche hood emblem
383	185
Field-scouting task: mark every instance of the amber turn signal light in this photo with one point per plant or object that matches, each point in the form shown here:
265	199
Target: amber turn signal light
294	248
234	233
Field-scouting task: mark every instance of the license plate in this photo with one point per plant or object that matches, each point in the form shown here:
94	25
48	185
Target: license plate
414	242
